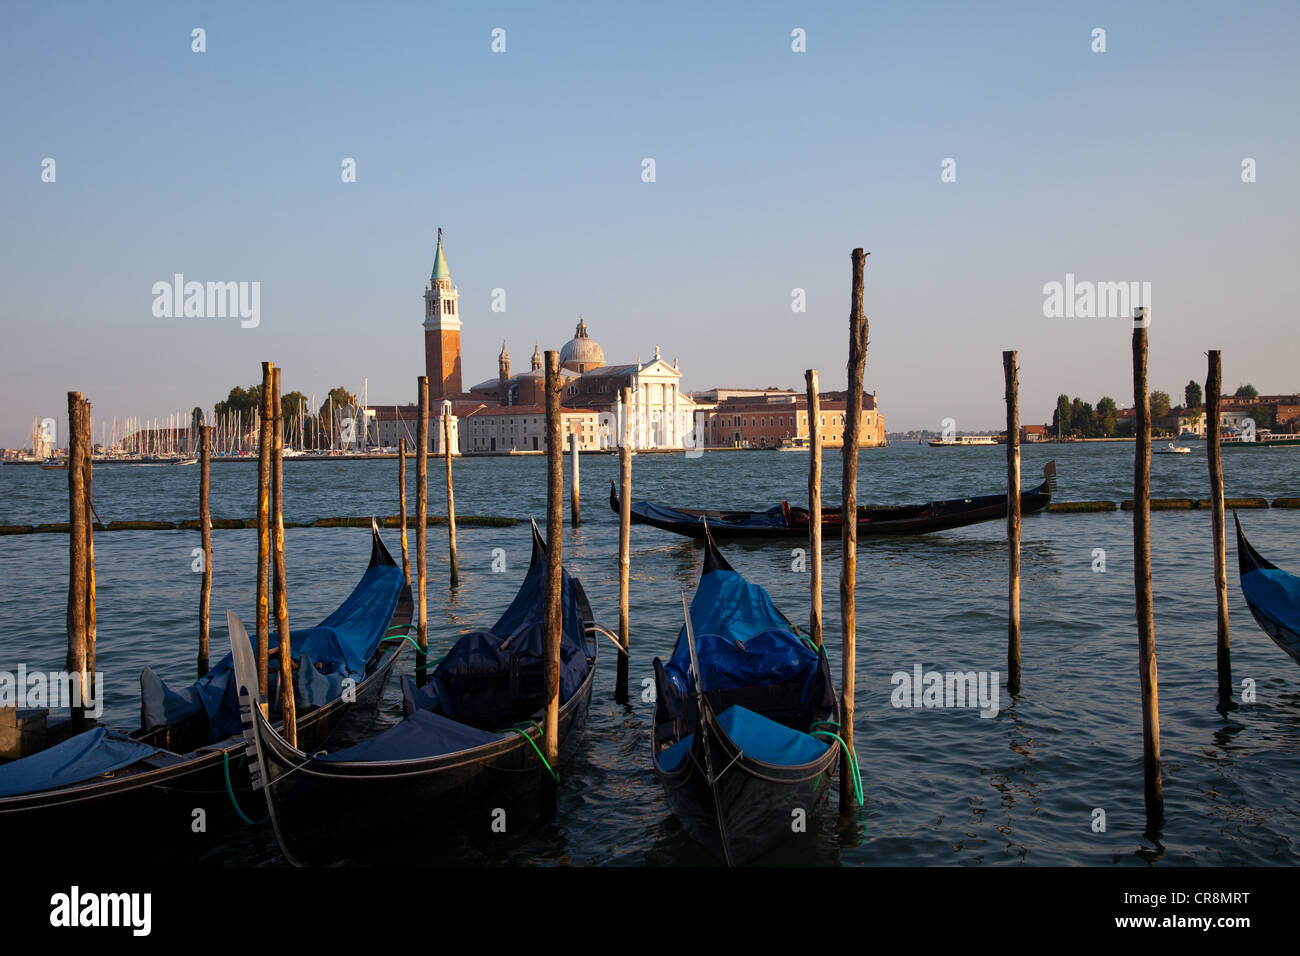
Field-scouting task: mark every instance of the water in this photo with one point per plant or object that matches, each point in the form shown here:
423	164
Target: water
942	786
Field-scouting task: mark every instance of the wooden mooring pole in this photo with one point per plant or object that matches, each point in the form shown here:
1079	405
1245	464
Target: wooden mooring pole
77	519
287	706
92	615
1011	370
858	332
1213	389
1153	788
401	506
264	532
575	504
421	527
205	539
554	543
814	506
624	543
451	498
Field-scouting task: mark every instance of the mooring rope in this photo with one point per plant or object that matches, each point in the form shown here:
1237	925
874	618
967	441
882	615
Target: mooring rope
524	733
849	755
230	791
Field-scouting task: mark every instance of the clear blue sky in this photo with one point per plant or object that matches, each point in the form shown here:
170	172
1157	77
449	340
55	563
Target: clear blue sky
771	167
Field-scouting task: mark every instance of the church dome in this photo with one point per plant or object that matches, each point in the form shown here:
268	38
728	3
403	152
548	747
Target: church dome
581	353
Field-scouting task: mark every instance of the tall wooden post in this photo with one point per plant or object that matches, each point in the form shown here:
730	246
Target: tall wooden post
814	506
264	531
451	499
287	706
77	519
1011	370
554	541
1213	389
858	331
1153	786
92	615
575	505
421	527
205	537
401	506
624	543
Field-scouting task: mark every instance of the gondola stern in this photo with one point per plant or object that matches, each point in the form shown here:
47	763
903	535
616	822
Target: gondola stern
379	555
539	545
713	559
1248	559
613	497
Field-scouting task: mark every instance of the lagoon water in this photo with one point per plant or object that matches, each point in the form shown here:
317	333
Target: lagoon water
943	786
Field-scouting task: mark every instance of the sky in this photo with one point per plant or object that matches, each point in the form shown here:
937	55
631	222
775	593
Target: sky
770	166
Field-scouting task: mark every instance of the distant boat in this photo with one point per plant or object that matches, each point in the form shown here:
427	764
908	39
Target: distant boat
786	520
1272	595
963	440
1173	449
1263	439
793	444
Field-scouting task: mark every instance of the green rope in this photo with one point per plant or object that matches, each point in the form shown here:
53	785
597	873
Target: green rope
407	637
225	762
524	733
849	755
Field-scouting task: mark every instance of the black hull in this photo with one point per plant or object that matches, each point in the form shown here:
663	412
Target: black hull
755	802
1248	559
148	813
385	812
902	520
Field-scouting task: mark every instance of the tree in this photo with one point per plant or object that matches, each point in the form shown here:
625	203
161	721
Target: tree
1107	416
1246	391
1263	415
1192	394
339	404
1061	419
196	417
242	400
1159	406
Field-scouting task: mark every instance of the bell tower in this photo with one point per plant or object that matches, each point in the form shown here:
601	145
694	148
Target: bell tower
442	331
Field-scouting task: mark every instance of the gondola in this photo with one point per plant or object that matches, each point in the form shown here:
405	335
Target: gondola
470	738
786	520
1272	595
739	752
164	793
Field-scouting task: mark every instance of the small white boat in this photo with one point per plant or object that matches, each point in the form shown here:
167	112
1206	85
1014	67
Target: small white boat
962	440
1173	449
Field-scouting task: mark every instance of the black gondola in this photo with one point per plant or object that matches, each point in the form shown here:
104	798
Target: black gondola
470	738
738	759
785	520
1272	595
140	793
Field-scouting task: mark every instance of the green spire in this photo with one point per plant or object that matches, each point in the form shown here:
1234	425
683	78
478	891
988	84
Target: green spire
440	270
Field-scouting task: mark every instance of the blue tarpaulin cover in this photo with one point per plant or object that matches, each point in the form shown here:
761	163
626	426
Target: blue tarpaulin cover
420	734
489	679
488	674
766	740
78	758
1274	593
741	638
333	650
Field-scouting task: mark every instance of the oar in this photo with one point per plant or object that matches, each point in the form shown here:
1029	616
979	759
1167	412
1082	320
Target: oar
702	707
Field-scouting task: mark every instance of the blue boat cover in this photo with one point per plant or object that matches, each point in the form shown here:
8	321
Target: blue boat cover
494	678
330	652
766	740
78	758
1275	594
670	758
771	518
741	638
418	734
